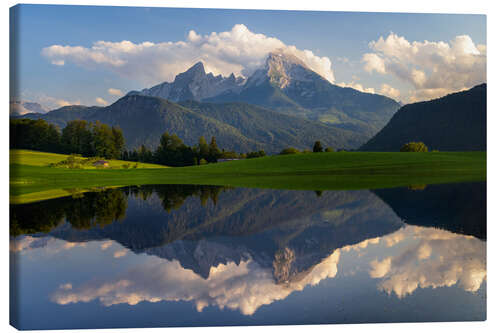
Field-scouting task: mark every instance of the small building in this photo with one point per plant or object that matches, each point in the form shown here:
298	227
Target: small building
101	163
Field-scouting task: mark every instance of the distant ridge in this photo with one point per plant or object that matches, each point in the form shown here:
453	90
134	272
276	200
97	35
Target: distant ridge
456	122
237	126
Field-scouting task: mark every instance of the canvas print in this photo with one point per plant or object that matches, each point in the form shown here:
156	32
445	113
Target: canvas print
214	167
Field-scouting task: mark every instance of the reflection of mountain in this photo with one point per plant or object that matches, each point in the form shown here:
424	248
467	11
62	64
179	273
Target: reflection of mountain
241	249
459	208
268	225
288	232
423	258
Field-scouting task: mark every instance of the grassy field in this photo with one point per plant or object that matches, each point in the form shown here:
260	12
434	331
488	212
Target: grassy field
32	180
37	158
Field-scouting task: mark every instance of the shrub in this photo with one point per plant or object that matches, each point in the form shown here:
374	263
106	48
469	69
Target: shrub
126	166
288	151
329	150
203	161
414	147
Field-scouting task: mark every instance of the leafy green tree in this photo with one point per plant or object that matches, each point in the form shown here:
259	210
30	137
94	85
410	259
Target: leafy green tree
34	134
103	140
255	154
317	148
202	149
118	142
414	147
289	150
214	152
145	154
77	137
173	152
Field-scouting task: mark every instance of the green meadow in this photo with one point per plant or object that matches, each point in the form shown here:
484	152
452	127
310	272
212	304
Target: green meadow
32	179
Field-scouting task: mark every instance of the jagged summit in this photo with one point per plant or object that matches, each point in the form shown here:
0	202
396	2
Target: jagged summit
281	69
195	84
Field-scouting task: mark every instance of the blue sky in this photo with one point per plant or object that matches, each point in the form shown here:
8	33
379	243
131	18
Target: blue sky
413	71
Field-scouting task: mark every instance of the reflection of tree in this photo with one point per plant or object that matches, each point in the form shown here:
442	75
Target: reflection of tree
173	196
33	218
100	208
84	212
96	208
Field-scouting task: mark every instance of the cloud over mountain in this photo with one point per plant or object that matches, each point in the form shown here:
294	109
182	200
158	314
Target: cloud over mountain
432	68
239	51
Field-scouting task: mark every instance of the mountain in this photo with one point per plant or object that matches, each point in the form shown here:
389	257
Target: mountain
455	122
23	107
172	222
285	84
459	208
237	126
194	84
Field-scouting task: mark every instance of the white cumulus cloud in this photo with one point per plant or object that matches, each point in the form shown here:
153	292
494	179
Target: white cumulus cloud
357	86
432	68
239	51
389	91
101	101
115	92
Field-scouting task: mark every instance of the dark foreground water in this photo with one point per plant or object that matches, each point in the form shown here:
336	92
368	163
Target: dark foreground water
183	255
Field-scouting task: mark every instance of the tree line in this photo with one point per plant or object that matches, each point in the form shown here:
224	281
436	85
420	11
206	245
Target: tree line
78	137
172	151
91	139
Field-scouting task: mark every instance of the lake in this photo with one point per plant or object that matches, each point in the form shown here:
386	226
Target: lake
187	255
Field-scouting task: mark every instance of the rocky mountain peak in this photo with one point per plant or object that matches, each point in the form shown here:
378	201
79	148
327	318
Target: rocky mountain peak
195	84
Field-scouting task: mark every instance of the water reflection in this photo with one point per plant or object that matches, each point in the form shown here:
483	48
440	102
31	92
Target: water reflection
429	258
241	249
432	258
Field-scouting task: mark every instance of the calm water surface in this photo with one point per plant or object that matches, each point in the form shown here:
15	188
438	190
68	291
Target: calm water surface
184	255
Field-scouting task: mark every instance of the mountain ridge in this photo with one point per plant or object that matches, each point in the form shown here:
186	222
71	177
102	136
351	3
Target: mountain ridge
237	126
454	122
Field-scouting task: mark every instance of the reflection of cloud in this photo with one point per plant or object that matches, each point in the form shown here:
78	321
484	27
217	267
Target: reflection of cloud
380	268
120	253
106	244
26	243
394	238
362	245
435	258
424	257
245	287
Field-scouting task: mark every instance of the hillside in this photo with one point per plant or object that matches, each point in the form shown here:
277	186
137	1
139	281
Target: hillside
456	122
236	126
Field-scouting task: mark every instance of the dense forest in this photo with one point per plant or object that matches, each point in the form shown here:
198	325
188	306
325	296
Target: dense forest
97	139
78	137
